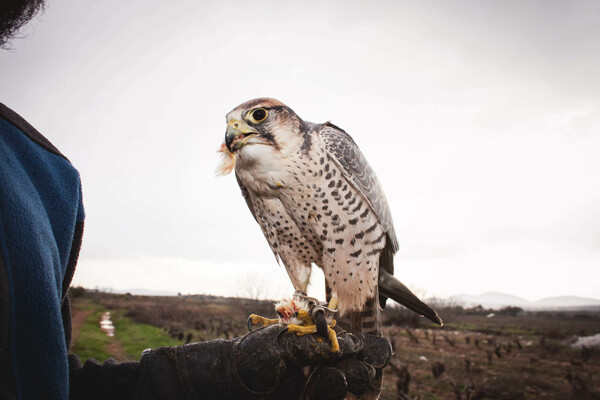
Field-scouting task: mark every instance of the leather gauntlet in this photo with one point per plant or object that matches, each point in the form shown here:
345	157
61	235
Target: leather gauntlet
264	364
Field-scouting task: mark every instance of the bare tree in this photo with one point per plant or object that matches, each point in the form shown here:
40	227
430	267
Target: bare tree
251	287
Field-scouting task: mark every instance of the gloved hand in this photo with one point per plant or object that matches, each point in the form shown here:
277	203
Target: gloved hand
264	364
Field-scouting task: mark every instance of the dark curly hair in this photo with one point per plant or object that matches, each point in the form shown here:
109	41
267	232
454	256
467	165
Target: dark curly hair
14	14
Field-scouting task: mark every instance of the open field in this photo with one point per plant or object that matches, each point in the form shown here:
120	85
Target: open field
521	356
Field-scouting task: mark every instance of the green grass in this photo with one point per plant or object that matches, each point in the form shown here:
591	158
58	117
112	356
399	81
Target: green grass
91	342
135	337
128	343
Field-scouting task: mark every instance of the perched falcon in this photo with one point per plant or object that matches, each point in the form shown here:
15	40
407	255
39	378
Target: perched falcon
318	201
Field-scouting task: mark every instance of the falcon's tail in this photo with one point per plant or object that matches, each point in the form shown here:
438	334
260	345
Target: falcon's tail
397	291
366	321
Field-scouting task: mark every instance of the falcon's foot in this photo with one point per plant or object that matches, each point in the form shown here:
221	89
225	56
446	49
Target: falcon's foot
302	330
302	315
254	319
311	317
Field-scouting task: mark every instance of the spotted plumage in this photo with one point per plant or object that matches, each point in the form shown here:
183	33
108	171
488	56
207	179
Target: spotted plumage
317	201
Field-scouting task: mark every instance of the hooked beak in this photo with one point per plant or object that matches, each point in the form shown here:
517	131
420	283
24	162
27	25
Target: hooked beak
237	134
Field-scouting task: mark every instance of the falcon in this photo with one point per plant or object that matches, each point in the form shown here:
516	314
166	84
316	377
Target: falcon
318	202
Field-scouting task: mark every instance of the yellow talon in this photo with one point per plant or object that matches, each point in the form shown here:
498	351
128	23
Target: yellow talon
333	302
257	319
312	328
298	311
335	346
305	317
302	330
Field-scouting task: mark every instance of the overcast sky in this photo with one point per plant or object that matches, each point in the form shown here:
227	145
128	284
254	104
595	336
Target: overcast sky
481	119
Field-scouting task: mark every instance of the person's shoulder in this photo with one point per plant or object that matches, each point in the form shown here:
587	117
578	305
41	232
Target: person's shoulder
21	124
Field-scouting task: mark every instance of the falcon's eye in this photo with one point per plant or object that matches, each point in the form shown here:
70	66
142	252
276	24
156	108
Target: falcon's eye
258	115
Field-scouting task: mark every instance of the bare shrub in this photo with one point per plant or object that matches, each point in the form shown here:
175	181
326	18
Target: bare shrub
411	334
437	369
510	310
578	383
518	343
450	341
403	382
586	353
466	391
397	315
501	387
76	292
498	351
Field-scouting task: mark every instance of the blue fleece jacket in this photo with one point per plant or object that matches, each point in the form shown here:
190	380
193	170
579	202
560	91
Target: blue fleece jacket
41	222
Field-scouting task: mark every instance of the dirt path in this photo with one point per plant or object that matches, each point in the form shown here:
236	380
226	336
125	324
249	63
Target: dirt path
77	318
114	348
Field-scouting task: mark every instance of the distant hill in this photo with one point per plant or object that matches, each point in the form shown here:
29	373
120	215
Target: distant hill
498	300
493	300
566	301
139	291
490	300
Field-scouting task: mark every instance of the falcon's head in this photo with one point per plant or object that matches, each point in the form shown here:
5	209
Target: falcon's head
260	124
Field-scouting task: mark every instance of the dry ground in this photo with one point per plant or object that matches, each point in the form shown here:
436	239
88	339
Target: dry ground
527	356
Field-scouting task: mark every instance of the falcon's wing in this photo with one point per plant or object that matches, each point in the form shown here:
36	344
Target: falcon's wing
246	196
348	157
357	171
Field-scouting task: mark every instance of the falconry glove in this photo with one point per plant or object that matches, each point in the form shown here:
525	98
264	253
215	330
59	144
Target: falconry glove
264	364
